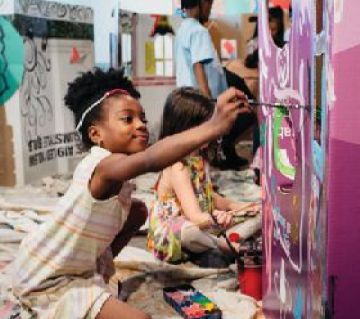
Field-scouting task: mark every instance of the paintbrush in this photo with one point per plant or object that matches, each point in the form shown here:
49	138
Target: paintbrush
272	105
245	208
223	233
279	105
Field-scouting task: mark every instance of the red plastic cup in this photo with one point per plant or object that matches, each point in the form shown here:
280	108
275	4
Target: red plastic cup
250	281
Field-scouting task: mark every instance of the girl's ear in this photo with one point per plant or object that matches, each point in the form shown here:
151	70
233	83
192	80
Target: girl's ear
94	133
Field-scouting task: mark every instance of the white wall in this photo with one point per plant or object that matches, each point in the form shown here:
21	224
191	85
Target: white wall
148	6
6	7
64	72
105	22
37	113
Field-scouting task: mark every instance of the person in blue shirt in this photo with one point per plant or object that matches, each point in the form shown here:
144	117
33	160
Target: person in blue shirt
197	62
198	66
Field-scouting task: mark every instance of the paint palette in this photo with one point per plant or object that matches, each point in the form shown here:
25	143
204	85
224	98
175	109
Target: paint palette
190	303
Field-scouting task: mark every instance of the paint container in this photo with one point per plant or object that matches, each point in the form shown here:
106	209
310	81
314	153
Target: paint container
250	280
190	303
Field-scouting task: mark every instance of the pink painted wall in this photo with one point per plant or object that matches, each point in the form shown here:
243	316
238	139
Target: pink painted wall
344	164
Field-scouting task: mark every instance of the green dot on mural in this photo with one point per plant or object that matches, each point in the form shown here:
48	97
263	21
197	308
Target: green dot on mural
11	60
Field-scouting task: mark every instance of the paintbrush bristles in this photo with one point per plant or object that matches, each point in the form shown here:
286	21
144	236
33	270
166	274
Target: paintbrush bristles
276	105
279	105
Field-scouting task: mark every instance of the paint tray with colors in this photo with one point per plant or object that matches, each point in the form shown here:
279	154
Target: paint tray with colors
190	303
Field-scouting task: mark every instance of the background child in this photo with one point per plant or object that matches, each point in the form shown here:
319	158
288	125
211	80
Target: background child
56	272
180	217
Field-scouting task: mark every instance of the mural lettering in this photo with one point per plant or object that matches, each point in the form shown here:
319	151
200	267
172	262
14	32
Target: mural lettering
51	147
54	10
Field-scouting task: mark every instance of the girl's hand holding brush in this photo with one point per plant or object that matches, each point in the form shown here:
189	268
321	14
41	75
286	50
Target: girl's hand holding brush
223	218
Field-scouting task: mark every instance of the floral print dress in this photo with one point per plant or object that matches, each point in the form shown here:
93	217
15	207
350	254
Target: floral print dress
166	215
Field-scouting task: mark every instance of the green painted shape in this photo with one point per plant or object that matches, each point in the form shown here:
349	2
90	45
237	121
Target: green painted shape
262	133
284	169
11	60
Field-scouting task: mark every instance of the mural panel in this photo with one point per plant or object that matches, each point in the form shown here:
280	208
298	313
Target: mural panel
293	178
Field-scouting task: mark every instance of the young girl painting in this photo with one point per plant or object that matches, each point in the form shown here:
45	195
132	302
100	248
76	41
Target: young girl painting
186	209
57	270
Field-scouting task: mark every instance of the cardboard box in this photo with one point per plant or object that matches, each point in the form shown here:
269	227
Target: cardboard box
7	165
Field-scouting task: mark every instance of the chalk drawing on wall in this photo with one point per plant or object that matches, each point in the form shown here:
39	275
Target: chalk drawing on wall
282	289
53	10
36	108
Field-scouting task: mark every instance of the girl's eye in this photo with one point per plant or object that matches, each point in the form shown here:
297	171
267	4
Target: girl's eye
144	120
127	119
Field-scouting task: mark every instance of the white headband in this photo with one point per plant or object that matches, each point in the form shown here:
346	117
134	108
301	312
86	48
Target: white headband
90	108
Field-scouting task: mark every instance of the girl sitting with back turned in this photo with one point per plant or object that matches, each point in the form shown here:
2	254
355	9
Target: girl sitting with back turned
180	217
56	273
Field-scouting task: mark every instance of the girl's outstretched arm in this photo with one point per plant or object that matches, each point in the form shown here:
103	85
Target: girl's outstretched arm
183	188
227	204
224	203
221	202
181	184
116	168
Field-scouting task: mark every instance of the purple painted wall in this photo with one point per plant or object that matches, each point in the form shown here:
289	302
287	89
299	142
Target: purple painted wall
311	201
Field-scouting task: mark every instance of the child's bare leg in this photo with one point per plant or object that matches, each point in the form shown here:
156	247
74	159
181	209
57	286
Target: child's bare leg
116	309
196	240
248	228
137	217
